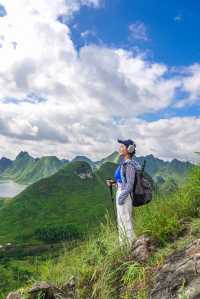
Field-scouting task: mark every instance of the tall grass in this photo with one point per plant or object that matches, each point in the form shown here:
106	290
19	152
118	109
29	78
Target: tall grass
163	218
94	263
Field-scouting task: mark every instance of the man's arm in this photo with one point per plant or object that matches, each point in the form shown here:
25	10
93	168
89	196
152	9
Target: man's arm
130	178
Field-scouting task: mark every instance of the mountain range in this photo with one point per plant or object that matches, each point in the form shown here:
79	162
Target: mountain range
74	195
26	170
68	192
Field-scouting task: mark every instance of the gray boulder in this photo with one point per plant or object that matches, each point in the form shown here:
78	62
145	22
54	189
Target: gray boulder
179	277
49	291
14	295
141	249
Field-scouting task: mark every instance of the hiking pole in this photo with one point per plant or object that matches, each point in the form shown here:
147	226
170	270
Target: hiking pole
113	204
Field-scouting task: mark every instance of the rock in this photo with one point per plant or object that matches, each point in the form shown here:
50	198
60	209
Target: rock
85	175
69	287
141	249
179	277
14	295
48	291
42	288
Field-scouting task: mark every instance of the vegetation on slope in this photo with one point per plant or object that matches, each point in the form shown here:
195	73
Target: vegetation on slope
73	195
104	271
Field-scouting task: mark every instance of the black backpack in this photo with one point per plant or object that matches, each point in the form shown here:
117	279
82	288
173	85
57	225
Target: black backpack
142	192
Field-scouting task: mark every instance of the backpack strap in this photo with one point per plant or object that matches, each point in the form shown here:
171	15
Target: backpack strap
143	166
124	170
124	165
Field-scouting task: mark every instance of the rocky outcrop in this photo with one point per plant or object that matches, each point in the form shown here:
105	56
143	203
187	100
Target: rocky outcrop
141	249
14	295
85	175
49	291
179	277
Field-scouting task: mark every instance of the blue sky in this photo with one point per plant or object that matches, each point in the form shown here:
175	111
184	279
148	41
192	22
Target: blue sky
87	72
172	27
171	34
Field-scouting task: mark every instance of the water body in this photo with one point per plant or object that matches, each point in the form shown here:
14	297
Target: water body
9	188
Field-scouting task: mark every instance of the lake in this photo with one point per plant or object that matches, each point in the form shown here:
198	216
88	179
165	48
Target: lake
8	188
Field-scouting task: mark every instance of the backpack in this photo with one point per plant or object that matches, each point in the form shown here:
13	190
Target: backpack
143	186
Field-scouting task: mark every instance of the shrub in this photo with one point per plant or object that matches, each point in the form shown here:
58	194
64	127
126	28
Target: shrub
58	233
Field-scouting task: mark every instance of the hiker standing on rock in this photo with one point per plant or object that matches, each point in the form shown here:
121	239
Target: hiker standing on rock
124	183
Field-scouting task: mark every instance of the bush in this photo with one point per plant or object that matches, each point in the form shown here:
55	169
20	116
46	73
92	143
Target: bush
162	217
58	233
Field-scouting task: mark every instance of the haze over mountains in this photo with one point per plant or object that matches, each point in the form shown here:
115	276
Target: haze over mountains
27	170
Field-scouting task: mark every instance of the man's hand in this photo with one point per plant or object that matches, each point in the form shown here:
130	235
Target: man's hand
110	182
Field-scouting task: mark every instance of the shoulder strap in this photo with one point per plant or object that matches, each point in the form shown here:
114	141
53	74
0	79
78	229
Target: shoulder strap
143	166
124	174
124	170
124	165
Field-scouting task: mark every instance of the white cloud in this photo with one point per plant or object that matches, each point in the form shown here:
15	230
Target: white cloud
76	96
190	85
191	82
177	137
138	31
87	33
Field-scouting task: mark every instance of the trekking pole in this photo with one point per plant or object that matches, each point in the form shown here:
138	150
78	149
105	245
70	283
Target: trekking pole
112	198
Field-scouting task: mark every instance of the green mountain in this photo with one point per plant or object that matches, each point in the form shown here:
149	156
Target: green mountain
22	162
168	187
26	169
4	163
65	161
42	168
114	158
85	159
174	169
106	170
73	195
157	168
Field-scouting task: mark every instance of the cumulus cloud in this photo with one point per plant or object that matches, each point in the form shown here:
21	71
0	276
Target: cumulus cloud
57	100
177	137
191	82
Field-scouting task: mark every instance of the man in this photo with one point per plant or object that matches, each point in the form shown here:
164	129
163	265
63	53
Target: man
124	186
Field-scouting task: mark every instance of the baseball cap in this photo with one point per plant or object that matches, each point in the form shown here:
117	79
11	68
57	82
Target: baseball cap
127	142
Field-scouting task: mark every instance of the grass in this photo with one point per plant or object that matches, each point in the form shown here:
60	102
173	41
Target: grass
163	218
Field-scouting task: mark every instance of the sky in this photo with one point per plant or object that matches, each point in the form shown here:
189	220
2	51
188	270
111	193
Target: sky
76	75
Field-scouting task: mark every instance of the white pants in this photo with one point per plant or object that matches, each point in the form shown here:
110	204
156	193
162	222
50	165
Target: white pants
124	219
